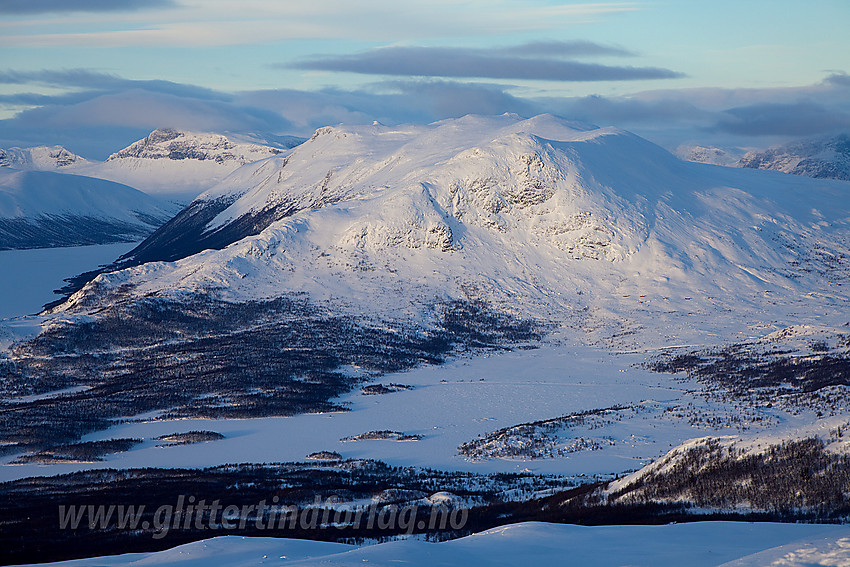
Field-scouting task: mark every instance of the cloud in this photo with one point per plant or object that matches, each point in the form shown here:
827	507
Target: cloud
628	111
212	22
838	79
560	48
54	6
97	123
102	82
770	119
390	103
493	64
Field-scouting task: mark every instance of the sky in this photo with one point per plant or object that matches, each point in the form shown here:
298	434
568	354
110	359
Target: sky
95	75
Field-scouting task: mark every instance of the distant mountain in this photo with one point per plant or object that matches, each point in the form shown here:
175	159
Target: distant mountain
181	164
826	158
167	143
168	163
712	155
40	158
41	209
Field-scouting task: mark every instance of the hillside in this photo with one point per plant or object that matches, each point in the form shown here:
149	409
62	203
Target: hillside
41	209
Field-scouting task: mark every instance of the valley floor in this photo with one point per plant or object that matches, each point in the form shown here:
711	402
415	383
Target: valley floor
455	403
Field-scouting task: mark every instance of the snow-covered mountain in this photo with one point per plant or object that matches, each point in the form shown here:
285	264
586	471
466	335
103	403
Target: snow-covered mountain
44	209
827	158
177	164
46	158
167	143
540	215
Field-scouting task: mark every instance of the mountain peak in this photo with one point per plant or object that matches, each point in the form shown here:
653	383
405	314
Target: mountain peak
162	135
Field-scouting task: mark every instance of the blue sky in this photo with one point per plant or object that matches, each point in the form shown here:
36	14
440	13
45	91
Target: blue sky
96	74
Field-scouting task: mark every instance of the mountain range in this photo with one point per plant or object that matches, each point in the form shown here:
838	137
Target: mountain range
826	158
532	209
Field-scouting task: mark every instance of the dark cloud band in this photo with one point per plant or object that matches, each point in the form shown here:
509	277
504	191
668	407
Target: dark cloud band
99	83
496	64
771	119
53	6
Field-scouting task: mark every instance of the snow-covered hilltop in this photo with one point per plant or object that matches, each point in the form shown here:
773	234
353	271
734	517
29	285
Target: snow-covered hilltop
541	215
41	209
827	158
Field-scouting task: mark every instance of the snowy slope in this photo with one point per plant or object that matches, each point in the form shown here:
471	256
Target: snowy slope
827	158
43	209
705	544
540	216
808	461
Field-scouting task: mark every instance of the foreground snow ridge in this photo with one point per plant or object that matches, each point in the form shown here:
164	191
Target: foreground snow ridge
705	544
